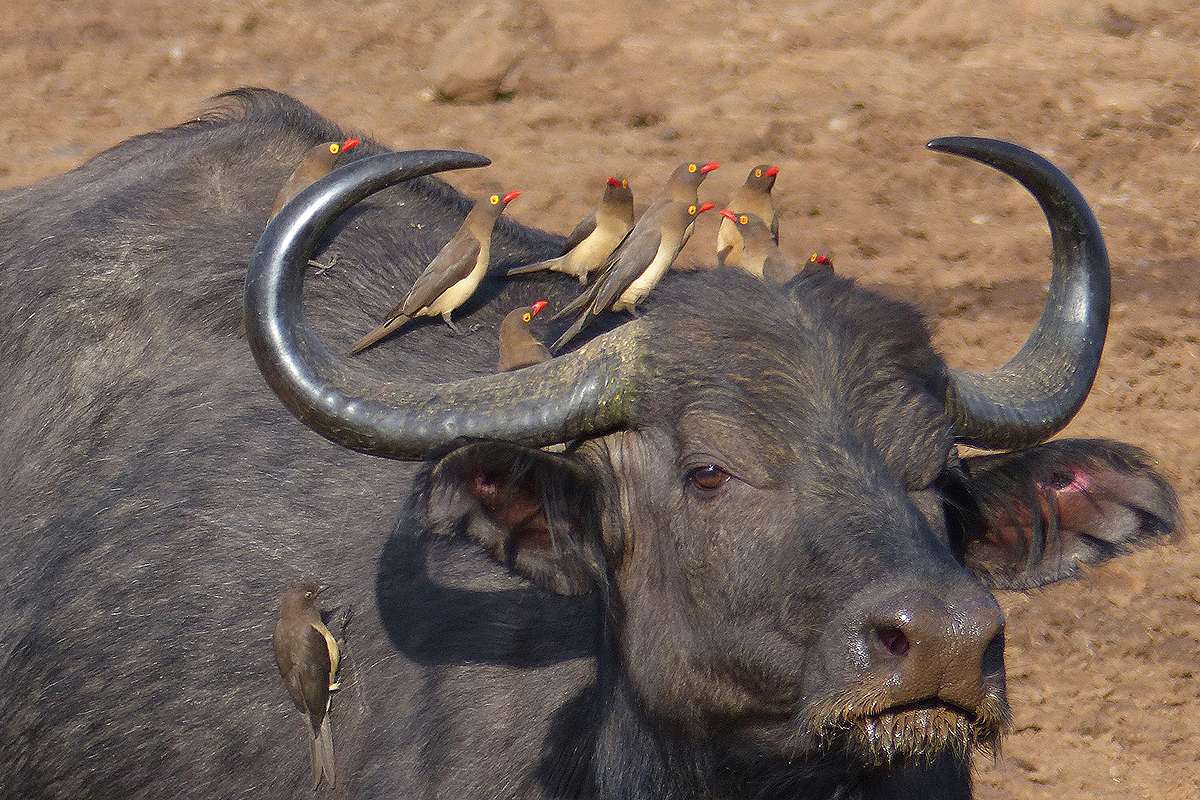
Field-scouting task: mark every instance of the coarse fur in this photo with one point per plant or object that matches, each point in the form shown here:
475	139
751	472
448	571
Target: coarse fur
528	624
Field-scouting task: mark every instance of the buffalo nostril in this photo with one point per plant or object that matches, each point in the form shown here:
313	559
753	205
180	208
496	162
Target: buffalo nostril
893	640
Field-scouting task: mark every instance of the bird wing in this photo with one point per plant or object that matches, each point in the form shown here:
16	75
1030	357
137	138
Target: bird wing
452	263
583	230
775	227
627	263
311	676
778	268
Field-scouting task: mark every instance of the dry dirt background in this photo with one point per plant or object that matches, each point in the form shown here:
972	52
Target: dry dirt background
1103	674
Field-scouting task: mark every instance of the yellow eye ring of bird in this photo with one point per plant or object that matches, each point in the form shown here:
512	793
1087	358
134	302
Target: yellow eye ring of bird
692	167
744	219
692	210
624	183
526	317
334	148
494	199
813	258
757	172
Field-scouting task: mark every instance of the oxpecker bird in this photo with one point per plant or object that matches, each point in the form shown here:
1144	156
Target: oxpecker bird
307	656
754	249
318	162
752	197
518	346
453	275
637	266
593	239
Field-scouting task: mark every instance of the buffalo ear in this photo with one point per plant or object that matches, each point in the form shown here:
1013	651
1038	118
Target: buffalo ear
533	511
1032	517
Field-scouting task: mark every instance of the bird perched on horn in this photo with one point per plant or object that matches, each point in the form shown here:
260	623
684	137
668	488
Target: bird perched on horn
594	238
318	162
635	267
453	275
752	197
518	346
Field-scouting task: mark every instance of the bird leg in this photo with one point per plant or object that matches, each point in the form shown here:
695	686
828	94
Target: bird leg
457	330
321	268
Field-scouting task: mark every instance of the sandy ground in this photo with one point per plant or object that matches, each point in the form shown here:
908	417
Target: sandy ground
1102	673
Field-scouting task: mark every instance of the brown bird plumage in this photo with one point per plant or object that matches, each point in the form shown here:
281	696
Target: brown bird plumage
318	162
635	267
754	248
518	346
752	197
307	656
593	239
453	275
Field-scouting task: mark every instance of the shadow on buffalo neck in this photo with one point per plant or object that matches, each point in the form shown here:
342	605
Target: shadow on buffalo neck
445	602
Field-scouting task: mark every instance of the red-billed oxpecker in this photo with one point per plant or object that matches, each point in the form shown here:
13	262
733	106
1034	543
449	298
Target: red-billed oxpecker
752	197
307	656
754	249
453	275
318	162
637	266
593	239
518	346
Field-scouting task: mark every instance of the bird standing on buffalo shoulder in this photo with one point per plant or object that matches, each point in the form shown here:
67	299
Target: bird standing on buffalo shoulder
518	346
453	275
318	162
752	197
307	656
593	239
754	249
637	266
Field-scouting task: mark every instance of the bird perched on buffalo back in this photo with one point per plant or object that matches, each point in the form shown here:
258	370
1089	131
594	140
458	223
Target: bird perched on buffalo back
453	275
593	239
818	263
752	197
637	266
318	162
307	656
518	346
754	248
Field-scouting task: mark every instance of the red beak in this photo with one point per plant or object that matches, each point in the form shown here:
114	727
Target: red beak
350	144
537	307
729	215
508	198
705	206
709	167
772	171
614	182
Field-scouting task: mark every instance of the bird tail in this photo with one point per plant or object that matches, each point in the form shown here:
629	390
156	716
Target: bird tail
550	264
378	333
322	755
579	302
570	332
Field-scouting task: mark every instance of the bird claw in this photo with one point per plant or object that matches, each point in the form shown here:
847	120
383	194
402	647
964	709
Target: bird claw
322	268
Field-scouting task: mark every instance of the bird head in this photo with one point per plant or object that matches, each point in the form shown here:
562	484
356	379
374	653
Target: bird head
533	311
344	146
617	188
762	177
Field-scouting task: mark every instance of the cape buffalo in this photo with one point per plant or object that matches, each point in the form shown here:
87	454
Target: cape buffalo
760	568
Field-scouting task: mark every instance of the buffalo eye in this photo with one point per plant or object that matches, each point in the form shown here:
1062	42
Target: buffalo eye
707	479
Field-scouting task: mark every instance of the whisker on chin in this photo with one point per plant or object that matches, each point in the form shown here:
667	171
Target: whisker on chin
878	731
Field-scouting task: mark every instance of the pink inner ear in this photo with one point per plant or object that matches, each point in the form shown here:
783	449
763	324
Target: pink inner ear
1079	481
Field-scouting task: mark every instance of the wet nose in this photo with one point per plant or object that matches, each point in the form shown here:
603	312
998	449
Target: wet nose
937	647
